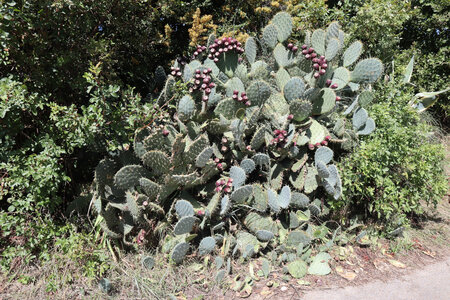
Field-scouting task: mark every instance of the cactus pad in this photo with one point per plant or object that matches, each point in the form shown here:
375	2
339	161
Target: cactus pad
296	237
238	175
207	245
283	57
367	70
184	209
318	41
179	252
325	103
203	157
225	205
248	165
352	53
258	92
283	23
332	48
241	194
341	77
368	128
186	108
294	89
157	161
359	118
184	225
250	50
270	36
300	109
282	77
264	235
299	200
234	84
128	176
148	262
323	154
365	98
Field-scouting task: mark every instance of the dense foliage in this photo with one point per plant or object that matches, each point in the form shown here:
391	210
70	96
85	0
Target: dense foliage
73	72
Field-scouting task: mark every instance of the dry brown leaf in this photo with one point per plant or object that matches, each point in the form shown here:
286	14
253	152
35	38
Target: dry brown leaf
349	275
397	264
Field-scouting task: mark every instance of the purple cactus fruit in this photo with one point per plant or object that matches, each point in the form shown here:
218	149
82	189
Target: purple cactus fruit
216	160
222	182
294	49
231	47
210	56
316	66
165	132
200	213
249	148
328	82
290	45
207	80
284	132
328	138
198	71
207	91
212	85
304	47
276	132
338	98
239	44
230	179
224	140
324	143
219	42
216	59
203	86
227	190
311	50
304	52
311	147
313	55
248	103
322	72
225	49
316	75
240	59
235	92
334	86
219	166
145	203
245	98
224	149
212	50
203	48
173	73
322	57
218	183
290	117
218	189
315	60
205	98
307	56
195	53
240	99
208	71
317	145
324	66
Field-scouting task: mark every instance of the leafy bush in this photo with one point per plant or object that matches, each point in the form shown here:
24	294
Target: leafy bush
246	149
396	170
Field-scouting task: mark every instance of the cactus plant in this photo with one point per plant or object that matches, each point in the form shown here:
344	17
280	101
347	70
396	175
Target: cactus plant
251	141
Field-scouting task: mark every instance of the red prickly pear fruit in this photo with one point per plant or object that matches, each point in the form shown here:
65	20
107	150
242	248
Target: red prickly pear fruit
328	138
200	213
311	50
235	92
334	86
315	60
223	149
218	183
229	184
307	56
322	71
235	96
205	98
227	190
198	71
165	132
324	143
328	82
211	85
316	75
317	145
304	47
322	57
304	52
338	98
240	59
324	66
230	179
207	91
313	55
216	160
276	132
311	147
284	132
294	49
290	117
290	45
173	73
178	73
219	166
249	148
216	59
248	103
222	182
316	66
145	203
224	140
218	189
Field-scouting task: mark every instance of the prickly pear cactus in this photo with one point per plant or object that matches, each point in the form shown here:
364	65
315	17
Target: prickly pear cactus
251	143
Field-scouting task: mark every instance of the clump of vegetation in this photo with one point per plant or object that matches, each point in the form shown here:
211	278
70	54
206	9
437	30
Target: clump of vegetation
244	163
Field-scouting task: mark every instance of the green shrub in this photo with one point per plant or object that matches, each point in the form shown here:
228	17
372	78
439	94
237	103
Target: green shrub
398	169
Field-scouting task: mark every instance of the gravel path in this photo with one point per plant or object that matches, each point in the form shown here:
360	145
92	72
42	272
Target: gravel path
432	282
